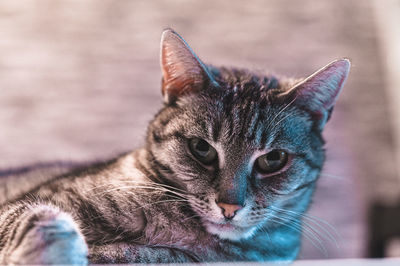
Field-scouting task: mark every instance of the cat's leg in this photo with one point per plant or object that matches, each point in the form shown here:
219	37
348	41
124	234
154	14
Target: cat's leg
129	253
40	234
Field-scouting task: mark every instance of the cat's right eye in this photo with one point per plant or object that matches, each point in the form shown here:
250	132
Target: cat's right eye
202	151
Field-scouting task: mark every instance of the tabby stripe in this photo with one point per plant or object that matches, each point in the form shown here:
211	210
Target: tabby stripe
216	129
258	126
236	118
13	226
29	224
309	162
158	177
158	163
254	126
70	197
163	167
228	113
276	137
150	158
92	217
162	179
161	138
230	123
156	138
158	172
204	124
113	204
272	83
263	141
148	174
304	185
245	117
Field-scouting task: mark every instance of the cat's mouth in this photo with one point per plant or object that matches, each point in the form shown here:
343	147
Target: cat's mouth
224	226
228	230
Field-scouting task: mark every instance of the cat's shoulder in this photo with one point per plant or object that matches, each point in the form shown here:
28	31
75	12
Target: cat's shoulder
16	181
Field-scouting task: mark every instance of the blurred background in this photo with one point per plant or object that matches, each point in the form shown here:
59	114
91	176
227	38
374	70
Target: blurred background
79	81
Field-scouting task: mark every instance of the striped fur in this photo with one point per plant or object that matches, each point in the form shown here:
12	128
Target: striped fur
158	203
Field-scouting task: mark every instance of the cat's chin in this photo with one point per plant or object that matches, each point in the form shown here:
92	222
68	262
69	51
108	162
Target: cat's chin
229	231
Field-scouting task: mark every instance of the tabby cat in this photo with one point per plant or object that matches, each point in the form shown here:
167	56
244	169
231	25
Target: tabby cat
228	168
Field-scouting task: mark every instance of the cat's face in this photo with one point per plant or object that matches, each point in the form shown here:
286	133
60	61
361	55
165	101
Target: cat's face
245	148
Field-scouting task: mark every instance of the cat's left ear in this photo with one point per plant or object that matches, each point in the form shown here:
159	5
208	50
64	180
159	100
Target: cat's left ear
319	92
182	70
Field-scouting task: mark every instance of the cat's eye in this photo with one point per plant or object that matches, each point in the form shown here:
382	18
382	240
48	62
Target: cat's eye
271	162
203	151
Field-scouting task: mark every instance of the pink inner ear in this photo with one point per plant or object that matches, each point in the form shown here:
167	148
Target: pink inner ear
182	71
178	76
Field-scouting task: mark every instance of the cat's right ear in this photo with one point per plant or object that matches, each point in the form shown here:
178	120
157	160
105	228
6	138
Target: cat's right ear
182	71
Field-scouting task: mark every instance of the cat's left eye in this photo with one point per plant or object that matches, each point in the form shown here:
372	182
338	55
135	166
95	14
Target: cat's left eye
203	151
271	162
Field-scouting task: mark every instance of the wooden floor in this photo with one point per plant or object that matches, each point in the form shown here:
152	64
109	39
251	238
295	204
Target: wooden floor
80	80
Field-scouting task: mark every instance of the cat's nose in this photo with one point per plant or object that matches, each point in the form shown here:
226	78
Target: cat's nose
229	210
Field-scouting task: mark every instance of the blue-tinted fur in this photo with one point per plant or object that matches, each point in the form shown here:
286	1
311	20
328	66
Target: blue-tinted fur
160	203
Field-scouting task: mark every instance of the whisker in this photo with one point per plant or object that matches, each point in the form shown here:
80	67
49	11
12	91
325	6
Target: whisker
281	120
148	204
143	187
142	183
191	217
309	235
328	235
315	220
155	185
158	202
265	230
282	109
335	176
160	184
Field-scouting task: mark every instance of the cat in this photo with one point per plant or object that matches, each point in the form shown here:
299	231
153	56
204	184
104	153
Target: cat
228	170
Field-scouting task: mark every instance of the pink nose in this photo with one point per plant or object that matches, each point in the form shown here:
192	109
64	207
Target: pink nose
229	210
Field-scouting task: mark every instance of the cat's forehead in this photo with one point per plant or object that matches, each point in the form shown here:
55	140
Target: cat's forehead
240	93
239	89
243	79
247	118
245	108
236	88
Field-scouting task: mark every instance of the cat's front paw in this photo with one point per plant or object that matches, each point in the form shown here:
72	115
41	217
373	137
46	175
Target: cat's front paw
49	236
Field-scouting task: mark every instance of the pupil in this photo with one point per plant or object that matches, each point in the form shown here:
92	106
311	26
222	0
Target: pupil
202	146
273	156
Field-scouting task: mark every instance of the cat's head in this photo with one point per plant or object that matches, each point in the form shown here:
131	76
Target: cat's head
245	147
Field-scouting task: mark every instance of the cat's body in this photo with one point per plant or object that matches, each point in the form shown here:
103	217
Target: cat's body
225	175
99	201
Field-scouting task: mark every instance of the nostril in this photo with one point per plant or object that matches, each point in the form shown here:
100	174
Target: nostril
229	210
